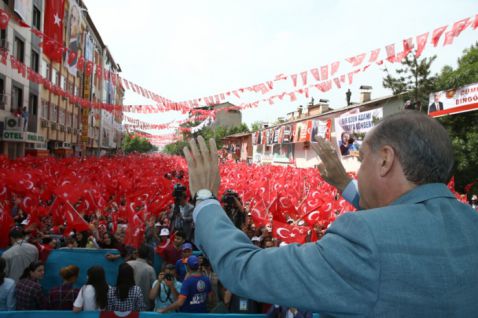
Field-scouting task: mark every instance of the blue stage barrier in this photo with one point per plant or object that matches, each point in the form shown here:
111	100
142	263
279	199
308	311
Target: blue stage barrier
95	314
84	258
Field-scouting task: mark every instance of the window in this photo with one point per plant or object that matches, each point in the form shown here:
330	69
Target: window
63	82
18	49
35	61
45	69
54	76
33	105
61	117
44	108
17	98
3	97
3	39
36	18
53	112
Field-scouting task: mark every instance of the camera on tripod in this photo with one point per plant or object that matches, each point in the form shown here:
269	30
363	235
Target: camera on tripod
229	197
179	191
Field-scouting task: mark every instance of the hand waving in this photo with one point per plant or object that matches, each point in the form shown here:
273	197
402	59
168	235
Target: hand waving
331	168
203	165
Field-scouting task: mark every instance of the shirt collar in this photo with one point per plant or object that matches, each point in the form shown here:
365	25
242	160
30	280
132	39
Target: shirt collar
423	193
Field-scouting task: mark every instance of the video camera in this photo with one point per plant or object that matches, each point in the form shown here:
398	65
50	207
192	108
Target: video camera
178	191
229	197
168	277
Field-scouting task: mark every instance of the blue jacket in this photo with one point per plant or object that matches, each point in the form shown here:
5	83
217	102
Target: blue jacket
417	257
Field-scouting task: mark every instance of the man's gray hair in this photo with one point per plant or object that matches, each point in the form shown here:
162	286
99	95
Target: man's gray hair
421	143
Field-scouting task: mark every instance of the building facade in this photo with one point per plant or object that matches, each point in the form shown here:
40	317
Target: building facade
39	121
288	143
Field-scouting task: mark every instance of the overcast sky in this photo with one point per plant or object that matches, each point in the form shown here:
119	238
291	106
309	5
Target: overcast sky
196	48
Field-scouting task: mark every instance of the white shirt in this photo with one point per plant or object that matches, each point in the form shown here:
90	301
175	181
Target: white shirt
86	299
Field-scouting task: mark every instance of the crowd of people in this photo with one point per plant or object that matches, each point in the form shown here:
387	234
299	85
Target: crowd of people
185	281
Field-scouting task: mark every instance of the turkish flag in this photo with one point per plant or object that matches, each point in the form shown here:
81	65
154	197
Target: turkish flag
315	73
356	60
289	233
53	28
304	77
6	223
277	211
459	26
335	67
437	33
4	18
374	55
119	314
421	43
390	52
324	72
135	231
74	221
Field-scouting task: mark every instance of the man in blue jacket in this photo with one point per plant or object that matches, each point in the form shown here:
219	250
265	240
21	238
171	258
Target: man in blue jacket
412	251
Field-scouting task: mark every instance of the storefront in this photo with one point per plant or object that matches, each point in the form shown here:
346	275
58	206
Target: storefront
20	143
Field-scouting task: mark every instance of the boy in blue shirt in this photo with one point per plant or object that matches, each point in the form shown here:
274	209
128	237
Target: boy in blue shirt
195	291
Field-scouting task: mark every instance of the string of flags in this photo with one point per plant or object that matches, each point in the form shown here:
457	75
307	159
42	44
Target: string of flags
322	78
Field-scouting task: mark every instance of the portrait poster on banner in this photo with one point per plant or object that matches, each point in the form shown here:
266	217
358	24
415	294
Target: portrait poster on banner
454	101
275	139
321	128
302	131
74	36
350	130
287	135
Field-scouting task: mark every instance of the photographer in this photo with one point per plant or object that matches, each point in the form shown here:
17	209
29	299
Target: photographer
181	214
233	206
165	290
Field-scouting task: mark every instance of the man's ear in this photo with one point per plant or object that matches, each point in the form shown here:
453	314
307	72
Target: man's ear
387	157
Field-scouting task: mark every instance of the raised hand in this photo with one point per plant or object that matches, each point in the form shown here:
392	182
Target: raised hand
203	165
331	168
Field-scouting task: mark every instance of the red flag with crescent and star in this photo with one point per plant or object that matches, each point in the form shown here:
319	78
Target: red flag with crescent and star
53	25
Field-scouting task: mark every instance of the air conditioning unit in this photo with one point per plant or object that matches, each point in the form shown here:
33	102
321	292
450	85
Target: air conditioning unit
13	123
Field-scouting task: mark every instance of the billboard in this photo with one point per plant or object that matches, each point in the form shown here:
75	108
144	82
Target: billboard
454	101
350	129
321	128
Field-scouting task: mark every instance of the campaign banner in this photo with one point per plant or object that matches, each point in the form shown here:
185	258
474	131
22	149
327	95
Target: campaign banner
287	134
321	128
350	129
283	153
453	101
303	131
275	140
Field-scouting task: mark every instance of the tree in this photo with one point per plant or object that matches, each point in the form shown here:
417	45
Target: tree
414	78
463	128
135	143
218	133
256	126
